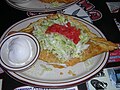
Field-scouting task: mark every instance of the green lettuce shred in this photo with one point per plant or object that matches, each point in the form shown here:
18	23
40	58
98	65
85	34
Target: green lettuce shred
64	48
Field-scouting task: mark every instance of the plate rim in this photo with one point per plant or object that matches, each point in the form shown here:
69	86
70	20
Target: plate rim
102	64
42	10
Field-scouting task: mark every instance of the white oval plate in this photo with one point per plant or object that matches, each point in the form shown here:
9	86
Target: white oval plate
38	6
53	79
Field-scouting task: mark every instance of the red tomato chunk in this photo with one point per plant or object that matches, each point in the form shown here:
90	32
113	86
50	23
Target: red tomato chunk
71	32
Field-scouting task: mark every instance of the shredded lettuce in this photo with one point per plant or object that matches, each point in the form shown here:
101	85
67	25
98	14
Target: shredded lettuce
44	69
55	4
63	47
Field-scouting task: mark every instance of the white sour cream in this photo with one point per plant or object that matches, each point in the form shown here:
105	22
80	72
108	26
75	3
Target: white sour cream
19	50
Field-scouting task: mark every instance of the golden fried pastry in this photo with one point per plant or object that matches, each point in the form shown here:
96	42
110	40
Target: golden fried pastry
65	40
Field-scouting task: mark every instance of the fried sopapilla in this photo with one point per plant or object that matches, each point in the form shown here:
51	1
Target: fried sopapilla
66	40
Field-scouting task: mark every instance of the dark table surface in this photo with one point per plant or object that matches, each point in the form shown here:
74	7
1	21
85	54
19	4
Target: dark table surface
106	24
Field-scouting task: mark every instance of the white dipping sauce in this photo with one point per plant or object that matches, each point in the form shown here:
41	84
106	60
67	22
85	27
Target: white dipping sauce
19	50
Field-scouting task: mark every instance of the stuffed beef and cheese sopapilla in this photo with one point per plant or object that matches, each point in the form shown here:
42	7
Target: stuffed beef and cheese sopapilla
65	40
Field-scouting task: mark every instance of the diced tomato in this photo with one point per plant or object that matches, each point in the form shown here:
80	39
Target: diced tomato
71	32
